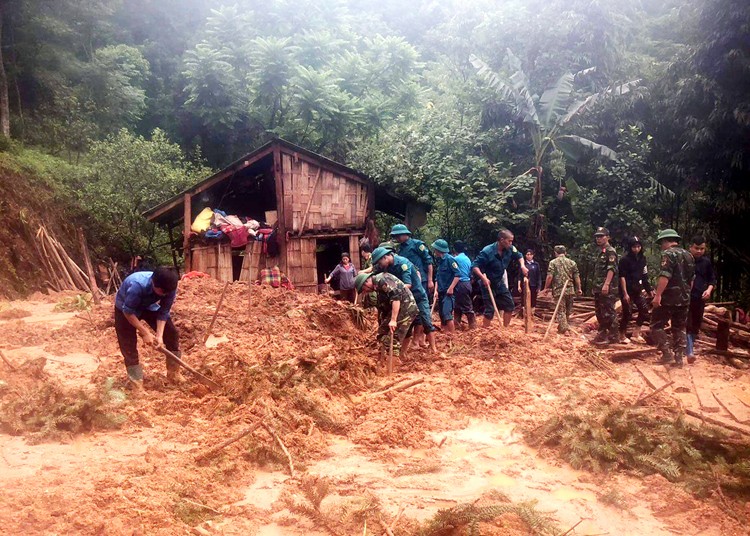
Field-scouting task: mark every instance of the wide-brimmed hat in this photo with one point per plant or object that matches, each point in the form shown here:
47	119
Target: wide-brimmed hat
668	233
400	229
441	246
379	253
359	281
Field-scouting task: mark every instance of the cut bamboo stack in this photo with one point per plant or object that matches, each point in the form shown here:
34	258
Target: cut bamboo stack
62	271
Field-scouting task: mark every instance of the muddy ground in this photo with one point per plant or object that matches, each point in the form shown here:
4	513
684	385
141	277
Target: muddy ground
336	451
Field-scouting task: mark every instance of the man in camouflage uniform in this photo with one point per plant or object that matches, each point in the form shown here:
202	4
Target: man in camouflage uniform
397	310
606	288
672	299
562	270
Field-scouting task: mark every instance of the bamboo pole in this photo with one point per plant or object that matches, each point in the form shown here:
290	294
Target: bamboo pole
528	322
557	307
89	268
216	313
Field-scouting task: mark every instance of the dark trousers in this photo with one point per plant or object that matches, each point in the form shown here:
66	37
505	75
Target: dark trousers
127	336
347	295
604	306
676	315
637	303
695	316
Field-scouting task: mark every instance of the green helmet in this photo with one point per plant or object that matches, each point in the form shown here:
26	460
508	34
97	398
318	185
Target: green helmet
379	253
389	245
400	229
441	246
668	233
359	281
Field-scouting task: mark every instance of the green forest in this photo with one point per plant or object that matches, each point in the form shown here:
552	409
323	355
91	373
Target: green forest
548	117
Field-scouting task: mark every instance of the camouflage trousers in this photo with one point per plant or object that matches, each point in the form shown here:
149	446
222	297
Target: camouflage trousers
676	315
604	305
563	313
404	327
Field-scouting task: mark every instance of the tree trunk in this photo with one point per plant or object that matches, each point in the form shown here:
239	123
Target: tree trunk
4	106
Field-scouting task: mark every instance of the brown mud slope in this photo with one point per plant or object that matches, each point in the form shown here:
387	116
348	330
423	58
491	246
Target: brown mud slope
333	445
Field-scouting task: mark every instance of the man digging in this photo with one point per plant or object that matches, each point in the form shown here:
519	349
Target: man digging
563	270
397	310
147	296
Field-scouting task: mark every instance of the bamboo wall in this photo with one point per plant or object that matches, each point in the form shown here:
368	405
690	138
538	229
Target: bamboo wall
254	260
215	260
331	201
302	266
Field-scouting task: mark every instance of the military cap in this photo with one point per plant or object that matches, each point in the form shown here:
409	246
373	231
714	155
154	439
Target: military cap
560	250
400	229
668	233
601	231
441	246
379	253
359	281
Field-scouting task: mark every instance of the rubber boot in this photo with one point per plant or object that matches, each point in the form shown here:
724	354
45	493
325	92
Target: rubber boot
472	320
135	377
690	348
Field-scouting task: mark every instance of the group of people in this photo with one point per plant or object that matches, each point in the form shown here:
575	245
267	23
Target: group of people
406	280
685	282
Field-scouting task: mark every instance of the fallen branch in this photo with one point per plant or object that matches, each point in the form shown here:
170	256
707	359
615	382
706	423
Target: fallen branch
399	387
282	446
199	505
210	453
653	393
717	422
7	362
216	313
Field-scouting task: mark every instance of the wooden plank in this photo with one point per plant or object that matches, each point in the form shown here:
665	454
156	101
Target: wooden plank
719	421
188	220
354	250
705	398
653	379
310	202
277	173
738	411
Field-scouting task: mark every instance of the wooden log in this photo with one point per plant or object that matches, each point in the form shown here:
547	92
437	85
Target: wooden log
400	387
621	355
732	406
89	268
718	421
722	336
652	378
211	452
653	393
528	321
11	366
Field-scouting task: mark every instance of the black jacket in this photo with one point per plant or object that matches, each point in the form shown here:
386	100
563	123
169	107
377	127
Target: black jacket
635	271
704	276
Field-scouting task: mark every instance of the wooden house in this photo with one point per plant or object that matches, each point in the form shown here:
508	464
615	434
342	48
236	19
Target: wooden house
321	209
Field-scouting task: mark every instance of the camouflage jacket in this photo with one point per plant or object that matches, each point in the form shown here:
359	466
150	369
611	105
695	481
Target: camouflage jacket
678	266
606	260
390	289
563	269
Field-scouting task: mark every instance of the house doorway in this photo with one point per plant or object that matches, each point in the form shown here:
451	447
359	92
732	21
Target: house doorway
328	254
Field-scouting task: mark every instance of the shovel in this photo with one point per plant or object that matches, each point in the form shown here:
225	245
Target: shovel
203	379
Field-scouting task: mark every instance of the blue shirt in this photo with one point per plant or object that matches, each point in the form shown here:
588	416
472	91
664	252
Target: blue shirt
407	273
447	270
492	264
464	266
419	255
137	295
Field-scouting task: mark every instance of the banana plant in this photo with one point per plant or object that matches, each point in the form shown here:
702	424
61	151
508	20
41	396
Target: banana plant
545	119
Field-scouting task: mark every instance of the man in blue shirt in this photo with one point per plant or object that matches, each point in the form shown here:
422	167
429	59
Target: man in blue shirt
384	260
447	277
147	296
489	266
463	289
417	252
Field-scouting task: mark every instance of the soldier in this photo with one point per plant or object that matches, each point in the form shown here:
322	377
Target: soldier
416	251
606	285
463	289
672	297
384	260
396	310
633	271
562	269
489	267
703	286
447	278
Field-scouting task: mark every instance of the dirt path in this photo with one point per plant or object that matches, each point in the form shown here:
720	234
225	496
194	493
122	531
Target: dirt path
452	439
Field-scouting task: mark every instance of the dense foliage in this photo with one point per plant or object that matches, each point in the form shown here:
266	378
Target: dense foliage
551	117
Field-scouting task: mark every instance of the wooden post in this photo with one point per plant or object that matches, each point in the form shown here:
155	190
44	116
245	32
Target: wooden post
390	357
309	203
280	208
722	335
188	217
557	307
216	312
528	323
172	249
89	267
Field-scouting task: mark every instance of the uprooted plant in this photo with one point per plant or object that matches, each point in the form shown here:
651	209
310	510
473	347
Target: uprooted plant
602	436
